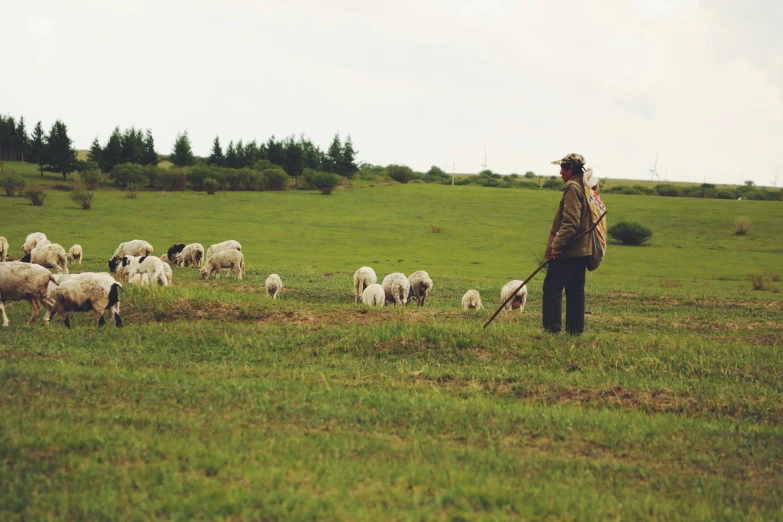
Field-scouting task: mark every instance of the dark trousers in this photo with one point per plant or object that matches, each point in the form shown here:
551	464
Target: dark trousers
568	273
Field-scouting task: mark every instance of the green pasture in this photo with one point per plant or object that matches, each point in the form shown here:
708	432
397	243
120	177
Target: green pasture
215	402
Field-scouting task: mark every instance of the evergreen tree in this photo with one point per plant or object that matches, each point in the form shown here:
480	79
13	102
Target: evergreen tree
334	155
293	158
241	155
311	155
148	155
252	154
182	153
61	155
216	156
111	155
230	160
7	138
132	146
95	152
21	141
38	147
347	165
274	151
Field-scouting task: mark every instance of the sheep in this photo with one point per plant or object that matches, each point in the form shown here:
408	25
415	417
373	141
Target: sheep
225	245
168	273
32	240
75	254
519	300
136	247
144	279
165	259
225	259
83	293
174	249
149	266
273	285
122	273
49	256
397	288
3	249
374	295
23	281
472	300
421	286
192	254
362	278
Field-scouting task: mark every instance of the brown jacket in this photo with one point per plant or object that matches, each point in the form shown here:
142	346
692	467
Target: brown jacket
572	219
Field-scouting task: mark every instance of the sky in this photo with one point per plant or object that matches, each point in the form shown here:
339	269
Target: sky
420	83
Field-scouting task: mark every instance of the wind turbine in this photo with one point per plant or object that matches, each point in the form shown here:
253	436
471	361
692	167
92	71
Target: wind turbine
484	165
653	172
775	183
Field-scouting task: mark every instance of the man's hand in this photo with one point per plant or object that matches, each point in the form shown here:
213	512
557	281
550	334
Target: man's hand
555	253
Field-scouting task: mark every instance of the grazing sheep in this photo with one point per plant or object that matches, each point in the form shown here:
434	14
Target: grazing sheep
83	293
192	254
3	249
148	268
168	273
519	300
24	282
226	259
165	259
362	278
49	256
225	245
75	254
421	286
472	300
397	288
374	295
273	285
174	249
136	247
32	240
122	273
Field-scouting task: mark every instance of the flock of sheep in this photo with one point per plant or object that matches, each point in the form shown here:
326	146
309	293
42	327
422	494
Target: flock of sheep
133	262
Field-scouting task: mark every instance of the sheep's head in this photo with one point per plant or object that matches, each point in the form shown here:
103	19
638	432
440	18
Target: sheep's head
27	258
204	273
126	261
113	264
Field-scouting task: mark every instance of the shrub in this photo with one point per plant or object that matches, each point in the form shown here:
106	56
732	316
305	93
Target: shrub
400	173
83	197
553	184
325	182
132	190
667	191
532	185
12	183
129	173
36	195
757	281
530	175
641	189
153	175
92	178
725	194
630	233
198	174
210	185
275	179
172	179
741	226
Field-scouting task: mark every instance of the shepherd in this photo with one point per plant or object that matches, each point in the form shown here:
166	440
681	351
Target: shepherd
568	266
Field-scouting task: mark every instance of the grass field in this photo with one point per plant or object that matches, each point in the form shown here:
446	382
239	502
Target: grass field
215	402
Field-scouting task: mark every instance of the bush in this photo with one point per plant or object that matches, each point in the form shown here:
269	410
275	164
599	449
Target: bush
667	191
210	185
275	179
553	184
741	226
12	183
36	195
725	194
132	190
83	197
532	185
198	174
172	179
129	173
92	178
630	233
400	173
530	175
325	182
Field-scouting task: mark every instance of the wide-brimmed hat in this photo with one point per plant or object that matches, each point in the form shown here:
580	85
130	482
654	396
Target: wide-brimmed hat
571	159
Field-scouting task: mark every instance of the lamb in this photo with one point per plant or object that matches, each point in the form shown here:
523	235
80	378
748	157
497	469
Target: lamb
421	286
164	258
192	254
148	268
3	249
174	249
23	281
49	256
136	247
273	285
362	278
122	273
83	293
472	300
225	245
225	259
374	295
397	288
144	279
519	300
75	254
32	241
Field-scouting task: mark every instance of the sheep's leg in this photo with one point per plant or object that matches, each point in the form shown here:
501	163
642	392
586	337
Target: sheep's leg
99	315
66	320
524	300
421	301
36	310
5	317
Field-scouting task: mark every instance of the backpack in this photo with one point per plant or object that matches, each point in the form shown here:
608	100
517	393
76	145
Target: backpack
598	235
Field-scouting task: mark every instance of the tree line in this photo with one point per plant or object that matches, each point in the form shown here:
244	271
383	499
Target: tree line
52	152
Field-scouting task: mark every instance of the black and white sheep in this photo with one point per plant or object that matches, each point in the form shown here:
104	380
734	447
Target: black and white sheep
174	249
273	285
145	269
421	286
231	259
519	299
49	256
191	255
75	253
24	282
397	288
362	278
136	247
3	249
374	295
472	300
32	241
221	247
85	292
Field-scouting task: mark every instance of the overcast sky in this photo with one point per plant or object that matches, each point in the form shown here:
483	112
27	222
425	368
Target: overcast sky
425	82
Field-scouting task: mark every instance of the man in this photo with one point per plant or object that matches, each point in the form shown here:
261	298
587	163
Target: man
568	263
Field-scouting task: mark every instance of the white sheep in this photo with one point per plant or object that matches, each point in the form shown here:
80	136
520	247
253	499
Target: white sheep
122	273
273	285
519	300
83	293
24	282
374	295
192	254
136	247
231	259
397	288
32	240
472	300
225	245
164	258
362	278
75	254
421	286
147	268
3	249
49	256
